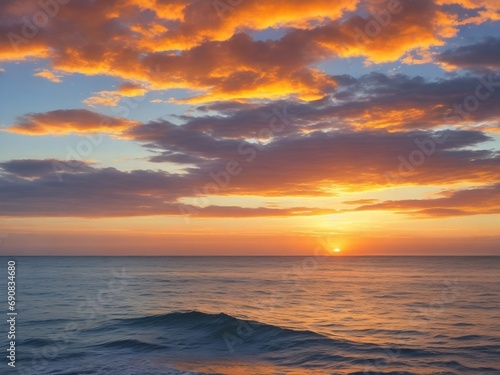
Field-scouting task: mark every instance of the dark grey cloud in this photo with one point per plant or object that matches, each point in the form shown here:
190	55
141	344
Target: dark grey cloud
299	163
32	188
371	101
296	163
485	54
39	168
177	158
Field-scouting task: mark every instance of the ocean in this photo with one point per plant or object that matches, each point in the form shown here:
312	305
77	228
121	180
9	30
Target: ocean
255	315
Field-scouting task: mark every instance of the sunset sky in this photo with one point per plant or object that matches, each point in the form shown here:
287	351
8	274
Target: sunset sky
249	127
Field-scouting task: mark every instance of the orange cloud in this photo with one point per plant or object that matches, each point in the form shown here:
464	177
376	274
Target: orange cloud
47	74
131	89
112	98
392	32
164	42
103	98
67	122
219	20
171	10
483	200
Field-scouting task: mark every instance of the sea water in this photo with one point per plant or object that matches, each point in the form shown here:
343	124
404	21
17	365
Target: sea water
256	315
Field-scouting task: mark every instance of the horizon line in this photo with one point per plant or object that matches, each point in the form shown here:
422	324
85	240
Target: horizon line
253	256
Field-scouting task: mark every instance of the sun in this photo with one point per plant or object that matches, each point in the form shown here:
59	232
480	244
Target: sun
337	250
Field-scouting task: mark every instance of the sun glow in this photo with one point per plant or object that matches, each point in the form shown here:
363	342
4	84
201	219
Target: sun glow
337	250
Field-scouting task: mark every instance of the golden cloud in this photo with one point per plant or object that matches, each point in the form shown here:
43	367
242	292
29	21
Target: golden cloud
69	121
112	98
206	47
47	74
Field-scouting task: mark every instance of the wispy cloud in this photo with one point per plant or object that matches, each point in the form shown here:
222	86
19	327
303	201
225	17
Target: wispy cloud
47	74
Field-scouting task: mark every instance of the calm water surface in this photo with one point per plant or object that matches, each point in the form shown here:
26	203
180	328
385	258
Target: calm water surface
257	315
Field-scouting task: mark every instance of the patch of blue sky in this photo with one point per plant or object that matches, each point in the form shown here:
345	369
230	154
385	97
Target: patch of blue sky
22	92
